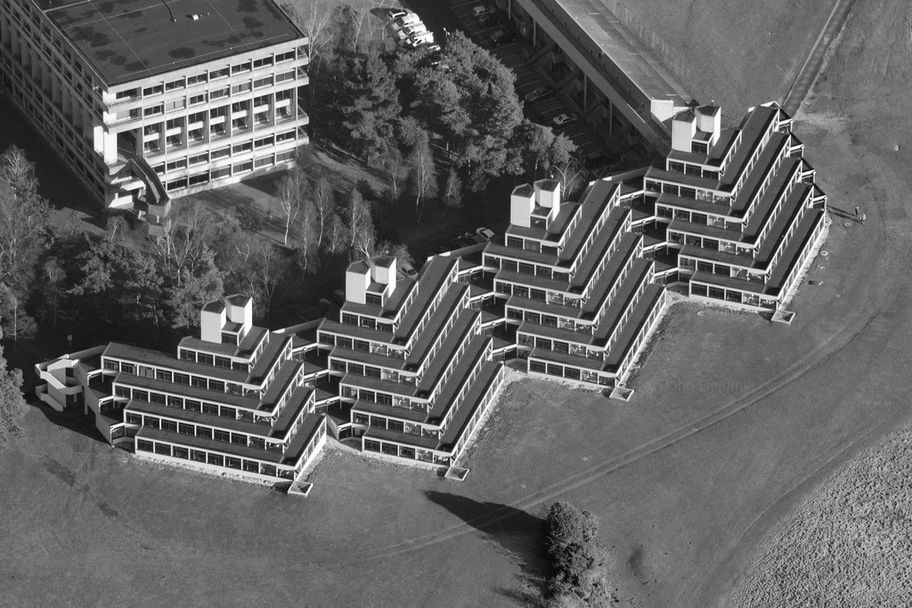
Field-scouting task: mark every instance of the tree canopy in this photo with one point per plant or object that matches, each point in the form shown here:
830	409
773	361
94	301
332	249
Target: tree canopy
578	561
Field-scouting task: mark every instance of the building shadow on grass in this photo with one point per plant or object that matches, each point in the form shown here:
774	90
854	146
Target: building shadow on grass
72	420
518	534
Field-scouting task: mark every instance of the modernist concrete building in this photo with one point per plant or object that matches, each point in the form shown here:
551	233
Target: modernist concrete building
409	366
732	215
239	398
149	101
614	77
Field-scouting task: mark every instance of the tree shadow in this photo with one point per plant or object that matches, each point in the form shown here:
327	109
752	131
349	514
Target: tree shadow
517	533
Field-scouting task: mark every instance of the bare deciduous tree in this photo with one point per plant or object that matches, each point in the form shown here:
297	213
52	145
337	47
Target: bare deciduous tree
313	18
325	203
423	171
290	196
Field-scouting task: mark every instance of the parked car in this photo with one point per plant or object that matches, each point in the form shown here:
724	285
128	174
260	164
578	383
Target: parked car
410	31
404	17
485	233
481	10
502	37
564	119
536	94
408	270
413	42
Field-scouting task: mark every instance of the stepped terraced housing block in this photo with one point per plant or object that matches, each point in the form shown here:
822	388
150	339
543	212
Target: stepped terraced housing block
147	101
408	367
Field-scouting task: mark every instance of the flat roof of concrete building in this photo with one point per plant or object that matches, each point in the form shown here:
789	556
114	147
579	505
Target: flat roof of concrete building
128	40
596	19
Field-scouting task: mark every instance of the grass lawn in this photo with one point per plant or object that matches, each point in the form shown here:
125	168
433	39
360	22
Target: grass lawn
847	544
738	52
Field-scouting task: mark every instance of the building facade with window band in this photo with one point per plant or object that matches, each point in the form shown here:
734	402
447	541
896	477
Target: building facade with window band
146	101
409	366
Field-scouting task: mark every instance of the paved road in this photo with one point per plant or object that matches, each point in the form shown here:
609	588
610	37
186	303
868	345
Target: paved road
814	61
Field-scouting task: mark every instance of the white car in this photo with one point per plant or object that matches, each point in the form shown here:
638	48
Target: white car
410	31
413	42
403	17
564	119
481	10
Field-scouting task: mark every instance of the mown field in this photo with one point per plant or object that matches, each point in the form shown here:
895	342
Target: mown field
846	545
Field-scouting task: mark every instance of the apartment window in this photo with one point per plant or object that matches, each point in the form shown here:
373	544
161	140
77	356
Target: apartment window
196	180
284	76
240	68
261	162
193	406
285	156
177	164
285	136
174	85
220	153
198	79
156	90
211	409
128	94
266	141
153	110
243	167
220	173
262	82
261	63
216	74
290	55
241	148
198	381
198	159
240	88
181	378
197	99
219	93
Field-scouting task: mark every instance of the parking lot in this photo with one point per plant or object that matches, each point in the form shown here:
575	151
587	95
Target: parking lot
491	28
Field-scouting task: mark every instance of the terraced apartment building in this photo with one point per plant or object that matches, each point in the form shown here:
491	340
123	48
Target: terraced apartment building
410	364
732	215
238	397
148	101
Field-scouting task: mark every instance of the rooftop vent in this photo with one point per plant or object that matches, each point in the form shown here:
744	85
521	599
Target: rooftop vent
195	17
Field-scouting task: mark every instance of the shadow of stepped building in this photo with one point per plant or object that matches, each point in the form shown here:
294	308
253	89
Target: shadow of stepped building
410	365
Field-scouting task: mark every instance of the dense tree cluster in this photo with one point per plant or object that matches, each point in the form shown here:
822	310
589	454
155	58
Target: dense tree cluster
12	402
578	561
440	120
114	282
